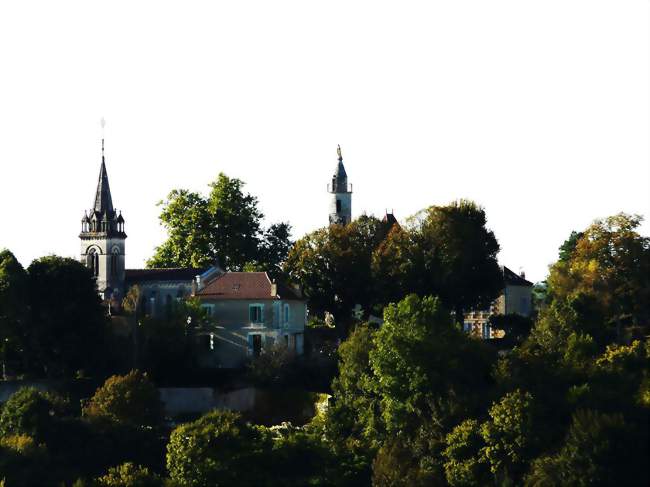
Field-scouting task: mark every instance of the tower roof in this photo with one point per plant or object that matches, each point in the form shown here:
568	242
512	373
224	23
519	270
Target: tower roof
340	168
103	201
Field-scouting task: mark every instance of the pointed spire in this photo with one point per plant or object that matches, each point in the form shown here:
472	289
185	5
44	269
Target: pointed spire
338	152
103	201
340	174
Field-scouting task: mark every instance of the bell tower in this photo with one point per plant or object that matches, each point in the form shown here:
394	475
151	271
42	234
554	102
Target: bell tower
341	201
102	239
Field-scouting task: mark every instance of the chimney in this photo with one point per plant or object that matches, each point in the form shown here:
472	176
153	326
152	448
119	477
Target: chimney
274	289
522	274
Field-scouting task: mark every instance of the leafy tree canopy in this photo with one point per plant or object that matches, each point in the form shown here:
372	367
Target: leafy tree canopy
224	226
130	399
68	324
13	308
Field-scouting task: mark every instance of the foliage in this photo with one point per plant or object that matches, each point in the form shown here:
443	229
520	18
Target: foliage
605	279
423	364
13	309
68	324
18	456
511	436
217	449
32	412
274	365
224	226
457	256
129	475
130	399
333	267
516	327
395	466
463	462
600	449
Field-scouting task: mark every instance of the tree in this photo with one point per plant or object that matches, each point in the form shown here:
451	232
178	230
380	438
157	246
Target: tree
224	226
33	413
463	463
13	310
68	324
425	368
603	276
458	255
333	267
217	449
130	399
600	449
511	435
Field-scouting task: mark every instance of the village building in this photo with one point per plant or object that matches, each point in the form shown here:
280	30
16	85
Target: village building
516	298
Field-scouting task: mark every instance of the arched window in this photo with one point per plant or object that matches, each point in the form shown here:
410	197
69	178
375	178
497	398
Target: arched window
92	261
115	260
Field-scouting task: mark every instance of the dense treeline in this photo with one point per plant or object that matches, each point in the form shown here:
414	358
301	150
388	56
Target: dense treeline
416	401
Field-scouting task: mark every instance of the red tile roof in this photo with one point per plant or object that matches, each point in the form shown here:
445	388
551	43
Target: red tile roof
243	285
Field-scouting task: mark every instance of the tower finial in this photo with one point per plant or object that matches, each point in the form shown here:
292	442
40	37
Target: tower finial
338	152
103	124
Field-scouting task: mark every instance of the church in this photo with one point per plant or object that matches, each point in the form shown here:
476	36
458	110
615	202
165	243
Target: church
250	311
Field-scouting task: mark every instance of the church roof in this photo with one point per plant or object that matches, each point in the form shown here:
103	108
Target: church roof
103	201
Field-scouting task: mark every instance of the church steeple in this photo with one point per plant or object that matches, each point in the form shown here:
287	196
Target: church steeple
102	238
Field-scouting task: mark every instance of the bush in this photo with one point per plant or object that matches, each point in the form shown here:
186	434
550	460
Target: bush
129	475
217	449
31	412
130	399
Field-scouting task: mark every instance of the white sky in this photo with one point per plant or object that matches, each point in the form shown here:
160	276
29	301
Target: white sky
539	111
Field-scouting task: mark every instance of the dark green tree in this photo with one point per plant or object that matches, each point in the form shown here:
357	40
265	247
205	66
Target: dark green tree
224	226
217	449
333	267
13	311
458	257
68	324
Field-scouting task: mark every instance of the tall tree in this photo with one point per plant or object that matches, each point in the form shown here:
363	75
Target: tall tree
13	310
601	284
333	266
224	226
68	324
460	254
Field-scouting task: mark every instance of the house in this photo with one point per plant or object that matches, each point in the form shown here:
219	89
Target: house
250	314
516	298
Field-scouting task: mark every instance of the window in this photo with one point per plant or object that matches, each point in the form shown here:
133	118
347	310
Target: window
255	313
486	331
208	308
115	262
92	261
338	206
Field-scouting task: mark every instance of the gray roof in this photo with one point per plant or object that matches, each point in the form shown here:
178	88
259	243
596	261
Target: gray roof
103	200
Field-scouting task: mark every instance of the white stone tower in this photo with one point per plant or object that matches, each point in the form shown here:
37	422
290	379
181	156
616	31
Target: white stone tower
102	240
341	202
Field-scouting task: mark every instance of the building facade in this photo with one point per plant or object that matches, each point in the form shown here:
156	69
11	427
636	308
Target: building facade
251	314
516	298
